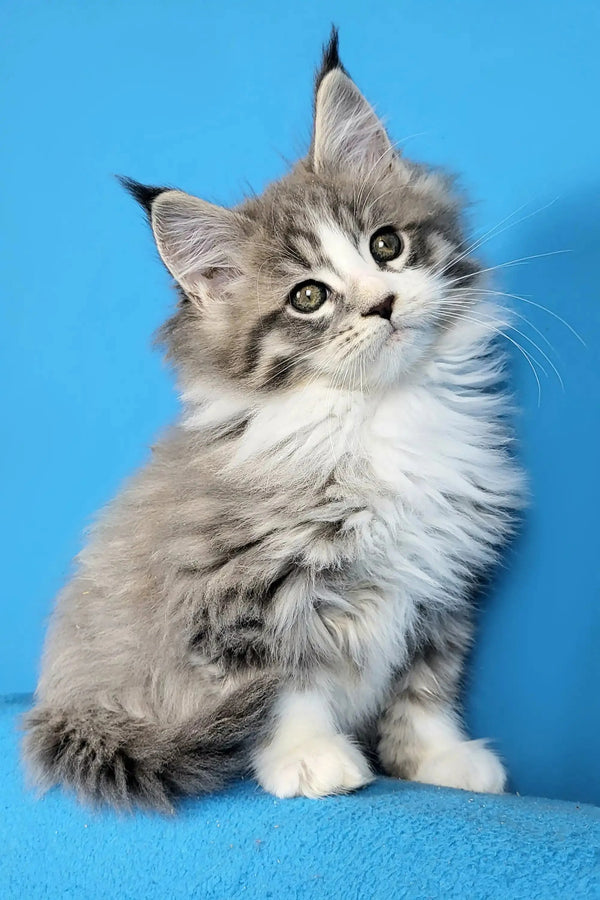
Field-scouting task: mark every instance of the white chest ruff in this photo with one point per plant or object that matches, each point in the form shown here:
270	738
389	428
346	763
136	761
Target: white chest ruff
427	478
422	486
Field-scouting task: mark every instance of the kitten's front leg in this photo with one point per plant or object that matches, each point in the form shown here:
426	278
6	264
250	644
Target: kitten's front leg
305	756
420	735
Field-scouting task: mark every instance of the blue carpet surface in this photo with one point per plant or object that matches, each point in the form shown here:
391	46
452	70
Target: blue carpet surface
391	840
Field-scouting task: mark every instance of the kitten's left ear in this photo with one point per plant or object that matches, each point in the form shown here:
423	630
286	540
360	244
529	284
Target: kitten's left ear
347	133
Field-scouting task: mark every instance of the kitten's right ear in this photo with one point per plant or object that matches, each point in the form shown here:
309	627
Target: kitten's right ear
198	241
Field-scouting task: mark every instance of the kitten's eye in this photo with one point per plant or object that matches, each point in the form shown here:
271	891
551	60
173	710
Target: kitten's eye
308	296
385	245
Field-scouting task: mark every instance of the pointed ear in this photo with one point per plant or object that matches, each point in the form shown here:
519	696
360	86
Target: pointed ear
346	132
198	241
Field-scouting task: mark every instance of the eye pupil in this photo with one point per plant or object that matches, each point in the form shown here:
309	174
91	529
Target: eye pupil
309	296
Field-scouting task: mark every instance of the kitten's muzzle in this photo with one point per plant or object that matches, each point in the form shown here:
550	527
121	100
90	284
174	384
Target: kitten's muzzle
383	308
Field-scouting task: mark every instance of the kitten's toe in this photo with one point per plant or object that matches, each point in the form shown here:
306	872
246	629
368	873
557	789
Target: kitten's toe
320	766
469	765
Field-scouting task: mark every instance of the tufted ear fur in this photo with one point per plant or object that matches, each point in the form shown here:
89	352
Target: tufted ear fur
347	133
198	241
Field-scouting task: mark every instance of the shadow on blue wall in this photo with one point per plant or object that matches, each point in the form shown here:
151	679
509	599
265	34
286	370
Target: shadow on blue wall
535	669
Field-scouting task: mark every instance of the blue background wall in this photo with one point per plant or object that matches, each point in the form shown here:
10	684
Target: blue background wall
207	95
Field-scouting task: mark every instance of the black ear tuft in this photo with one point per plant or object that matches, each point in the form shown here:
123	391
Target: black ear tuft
145	194
331	58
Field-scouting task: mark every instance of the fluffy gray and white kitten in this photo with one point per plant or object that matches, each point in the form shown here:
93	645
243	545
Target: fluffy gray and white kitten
286	588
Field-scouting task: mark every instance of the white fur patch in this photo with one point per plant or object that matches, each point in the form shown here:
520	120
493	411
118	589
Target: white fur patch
419	469
306	757
418	461
469	765
354	272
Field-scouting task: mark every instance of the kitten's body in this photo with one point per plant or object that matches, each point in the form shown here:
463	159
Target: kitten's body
296	562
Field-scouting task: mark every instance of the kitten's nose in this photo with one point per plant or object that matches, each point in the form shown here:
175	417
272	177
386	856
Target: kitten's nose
383	308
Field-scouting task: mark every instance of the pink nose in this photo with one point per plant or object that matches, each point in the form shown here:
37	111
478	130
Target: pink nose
383	308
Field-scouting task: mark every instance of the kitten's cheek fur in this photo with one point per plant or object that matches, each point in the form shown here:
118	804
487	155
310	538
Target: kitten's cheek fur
469	765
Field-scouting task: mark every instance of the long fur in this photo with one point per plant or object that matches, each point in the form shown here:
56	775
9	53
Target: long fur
111	757
292	573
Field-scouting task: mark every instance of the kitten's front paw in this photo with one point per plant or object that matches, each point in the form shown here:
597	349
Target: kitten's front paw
469	765
319	766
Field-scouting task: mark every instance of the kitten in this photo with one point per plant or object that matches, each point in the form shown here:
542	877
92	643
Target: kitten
286	588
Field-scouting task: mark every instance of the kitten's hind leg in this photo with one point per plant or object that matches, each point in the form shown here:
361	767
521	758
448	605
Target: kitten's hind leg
305	756
420	734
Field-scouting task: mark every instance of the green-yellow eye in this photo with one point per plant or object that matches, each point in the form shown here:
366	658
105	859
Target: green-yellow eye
308	296
385	245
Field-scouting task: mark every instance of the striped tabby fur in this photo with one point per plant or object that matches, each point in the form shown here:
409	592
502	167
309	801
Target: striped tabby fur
286	588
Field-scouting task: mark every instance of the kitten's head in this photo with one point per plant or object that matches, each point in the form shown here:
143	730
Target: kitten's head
343	271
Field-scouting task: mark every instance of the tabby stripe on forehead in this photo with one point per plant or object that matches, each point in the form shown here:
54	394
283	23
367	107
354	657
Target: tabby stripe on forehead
294	235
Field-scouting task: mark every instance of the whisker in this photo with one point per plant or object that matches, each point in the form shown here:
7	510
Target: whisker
530	359
367	209
479	241
511	262
538	306
539	349
359	200
513	312
493	232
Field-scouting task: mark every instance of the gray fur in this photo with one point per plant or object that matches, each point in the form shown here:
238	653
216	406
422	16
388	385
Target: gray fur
221	577
107	756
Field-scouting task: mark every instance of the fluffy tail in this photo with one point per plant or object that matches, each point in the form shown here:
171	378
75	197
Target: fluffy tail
107	757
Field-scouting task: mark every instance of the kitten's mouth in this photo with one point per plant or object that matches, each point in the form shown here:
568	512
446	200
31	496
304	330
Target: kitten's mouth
398	332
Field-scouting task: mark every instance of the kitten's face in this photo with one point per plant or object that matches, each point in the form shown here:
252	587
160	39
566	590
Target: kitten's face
347	281
343	271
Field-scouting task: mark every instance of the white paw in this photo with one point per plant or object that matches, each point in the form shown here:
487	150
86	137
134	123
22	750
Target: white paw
469	765
329	764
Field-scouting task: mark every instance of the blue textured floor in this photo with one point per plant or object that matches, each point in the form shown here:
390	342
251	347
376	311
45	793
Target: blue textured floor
389	841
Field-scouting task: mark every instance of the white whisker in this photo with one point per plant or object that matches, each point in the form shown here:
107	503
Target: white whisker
493	232
538	306
530	359
538	348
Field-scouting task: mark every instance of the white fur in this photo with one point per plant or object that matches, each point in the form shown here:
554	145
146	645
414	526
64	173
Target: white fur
306	756
381	352
350	264
356	274
467	765
400	453
446	757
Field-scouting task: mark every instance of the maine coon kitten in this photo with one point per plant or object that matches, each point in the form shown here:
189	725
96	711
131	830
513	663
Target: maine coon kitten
285	588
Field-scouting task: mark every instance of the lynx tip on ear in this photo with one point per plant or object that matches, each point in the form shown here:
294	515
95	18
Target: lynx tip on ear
331	57
144	194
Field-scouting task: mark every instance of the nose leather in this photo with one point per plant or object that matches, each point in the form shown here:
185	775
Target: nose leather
383	308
